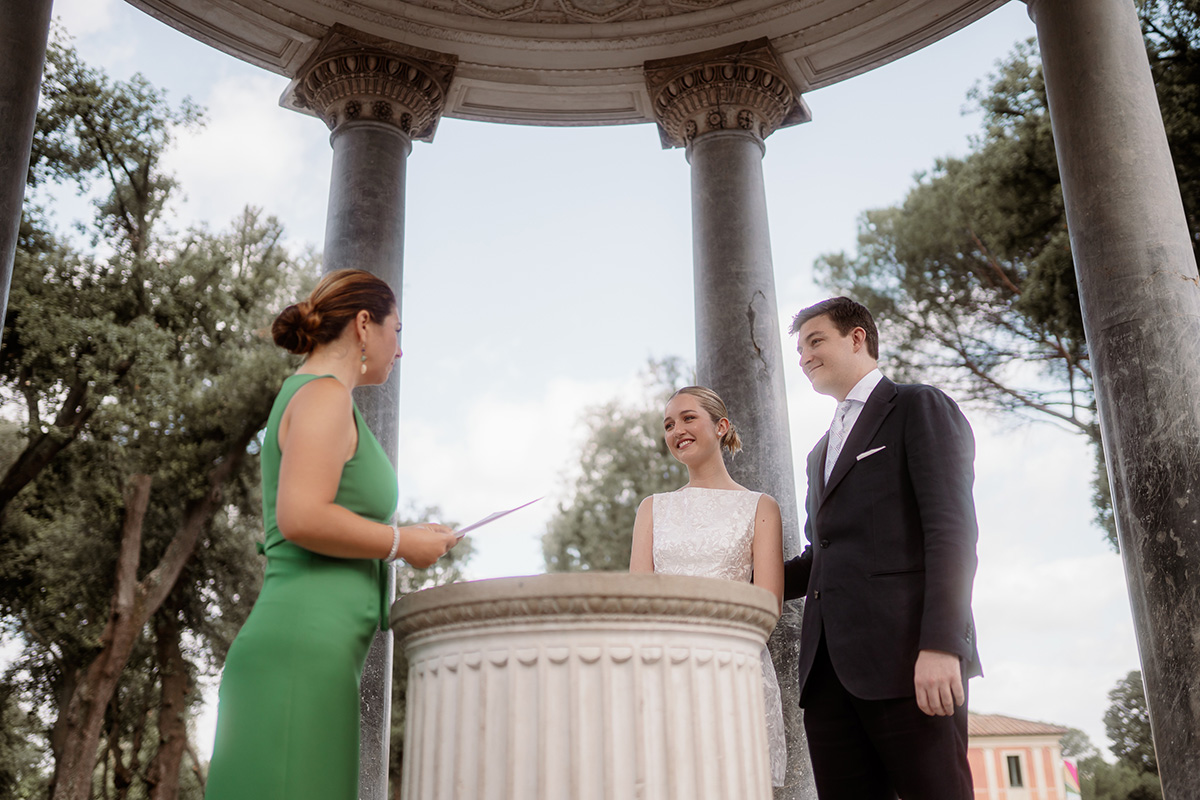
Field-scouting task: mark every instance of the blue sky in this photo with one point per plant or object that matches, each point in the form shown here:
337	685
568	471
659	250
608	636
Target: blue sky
543	267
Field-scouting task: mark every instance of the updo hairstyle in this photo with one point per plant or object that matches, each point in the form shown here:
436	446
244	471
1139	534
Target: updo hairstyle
712	403
336	300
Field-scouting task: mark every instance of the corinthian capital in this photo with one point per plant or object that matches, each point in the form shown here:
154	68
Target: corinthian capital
354	76
738	87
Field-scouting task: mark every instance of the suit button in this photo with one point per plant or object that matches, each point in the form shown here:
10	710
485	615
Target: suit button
824	543
817	594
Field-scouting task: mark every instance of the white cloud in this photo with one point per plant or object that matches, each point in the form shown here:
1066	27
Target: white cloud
252	152
87	17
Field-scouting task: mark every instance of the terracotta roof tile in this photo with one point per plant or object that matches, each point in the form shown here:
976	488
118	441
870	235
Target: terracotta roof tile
998	725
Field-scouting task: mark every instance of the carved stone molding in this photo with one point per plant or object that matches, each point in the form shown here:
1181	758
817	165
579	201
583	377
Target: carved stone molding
739	87
642	597
353	76
585	685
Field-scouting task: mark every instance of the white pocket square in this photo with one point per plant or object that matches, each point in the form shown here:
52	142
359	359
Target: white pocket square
861	456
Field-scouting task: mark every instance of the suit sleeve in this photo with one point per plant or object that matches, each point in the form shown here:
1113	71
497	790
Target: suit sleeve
796	571
941	467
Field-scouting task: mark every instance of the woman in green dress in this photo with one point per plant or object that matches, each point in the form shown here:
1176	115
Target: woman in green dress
288	716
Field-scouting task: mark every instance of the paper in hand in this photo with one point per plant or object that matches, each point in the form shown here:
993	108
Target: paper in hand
461	532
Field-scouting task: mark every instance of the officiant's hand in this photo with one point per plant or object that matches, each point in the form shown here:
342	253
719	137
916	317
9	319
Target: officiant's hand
421	545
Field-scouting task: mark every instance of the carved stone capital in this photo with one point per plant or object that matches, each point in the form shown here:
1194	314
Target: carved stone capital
353	76
739	87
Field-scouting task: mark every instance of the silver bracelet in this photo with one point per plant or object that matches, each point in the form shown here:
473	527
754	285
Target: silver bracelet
391	556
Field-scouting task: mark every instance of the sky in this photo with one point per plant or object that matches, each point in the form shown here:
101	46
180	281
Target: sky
545	266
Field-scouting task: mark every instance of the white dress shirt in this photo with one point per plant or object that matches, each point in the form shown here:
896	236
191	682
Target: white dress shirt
861	391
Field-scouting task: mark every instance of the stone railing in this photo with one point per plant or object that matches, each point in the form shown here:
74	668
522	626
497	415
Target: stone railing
586	686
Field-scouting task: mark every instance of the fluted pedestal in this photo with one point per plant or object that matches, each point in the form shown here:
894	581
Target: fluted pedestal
586	686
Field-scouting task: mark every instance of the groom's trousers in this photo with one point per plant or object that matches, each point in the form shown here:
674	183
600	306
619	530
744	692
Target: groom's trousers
881	749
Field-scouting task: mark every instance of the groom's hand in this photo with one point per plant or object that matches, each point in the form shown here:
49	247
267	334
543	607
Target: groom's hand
938	680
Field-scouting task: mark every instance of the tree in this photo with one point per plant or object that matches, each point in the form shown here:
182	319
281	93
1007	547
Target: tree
624	460
141	380
1100	780
1077	744
1127	723
971	277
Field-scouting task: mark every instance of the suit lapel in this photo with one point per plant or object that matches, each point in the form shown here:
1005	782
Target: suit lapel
816	470
878	406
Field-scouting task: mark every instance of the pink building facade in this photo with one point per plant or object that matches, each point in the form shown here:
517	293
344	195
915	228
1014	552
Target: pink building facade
1015	759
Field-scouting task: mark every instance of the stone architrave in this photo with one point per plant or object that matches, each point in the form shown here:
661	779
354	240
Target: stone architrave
586	686
375	97
1138	288
720	106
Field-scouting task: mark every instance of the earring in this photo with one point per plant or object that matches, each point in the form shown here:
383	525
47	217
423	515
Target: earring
363	369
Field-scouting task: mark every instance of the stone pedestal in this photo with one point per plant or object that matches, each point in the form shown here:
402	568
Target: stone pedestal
586	686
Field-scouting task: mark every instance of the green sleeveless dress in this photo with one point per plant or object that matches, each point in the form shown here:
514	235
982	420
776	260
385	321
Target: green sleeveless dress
288	714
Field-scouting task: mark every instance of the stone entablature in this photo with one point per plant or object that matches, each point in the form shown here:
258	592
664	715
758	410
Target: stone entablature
586	685
351	79
740	87
576	62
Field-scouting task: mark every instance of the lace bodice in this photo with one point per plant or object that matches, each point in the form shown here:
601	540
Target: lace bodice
709	533
705	532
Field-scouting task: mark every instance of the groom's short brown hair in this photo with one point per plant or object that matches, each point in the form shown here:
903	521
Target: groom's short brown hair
846	315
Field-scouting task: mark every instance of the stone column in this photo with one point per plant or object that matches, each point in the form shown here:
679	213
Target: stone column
376	99
720	106
24	30
1137	277
591	686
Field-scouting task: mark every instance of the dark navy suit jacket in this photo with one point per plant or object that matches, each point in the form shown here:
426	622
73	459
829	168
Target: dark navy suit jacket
890	560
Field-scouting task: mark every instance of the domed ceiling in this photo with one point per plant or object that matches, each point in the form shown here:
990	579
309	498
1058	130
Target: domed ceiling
574	62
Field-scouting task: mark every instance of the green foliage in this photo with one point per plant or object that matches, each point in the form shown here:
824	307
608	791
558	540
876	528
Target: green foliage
21	775
1135	774
1100	780
1077	744
971	277
624	459
144	353
1172	31
1127	723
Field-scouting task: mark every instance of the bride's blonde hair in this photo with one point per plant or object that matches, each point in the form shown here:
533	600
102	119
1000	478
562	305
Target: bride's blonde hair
712	403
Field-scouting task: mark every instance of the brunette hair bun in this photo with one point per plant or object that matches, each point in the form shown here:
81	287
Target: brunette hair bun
293	328
338	297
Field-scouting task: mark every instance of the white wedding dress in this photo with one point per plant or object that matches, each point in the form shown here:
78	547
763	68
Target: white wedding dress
708	533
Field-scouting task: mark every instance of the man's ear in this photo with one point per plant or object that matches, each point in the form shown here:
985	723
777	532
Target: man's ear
859	337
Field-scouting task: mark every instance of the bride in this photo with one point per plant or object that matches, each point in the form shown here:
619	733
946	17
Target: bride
714	527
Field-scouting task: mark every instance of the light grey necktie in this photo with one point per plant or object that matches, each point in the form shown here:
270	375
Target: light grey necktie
837	437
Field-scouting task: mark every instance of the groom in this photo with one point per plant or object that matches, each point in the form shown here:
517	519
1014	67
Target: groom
888	640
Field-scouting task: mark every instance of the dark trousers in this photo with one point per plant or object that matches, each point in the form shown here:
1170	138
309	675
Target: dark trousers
881	749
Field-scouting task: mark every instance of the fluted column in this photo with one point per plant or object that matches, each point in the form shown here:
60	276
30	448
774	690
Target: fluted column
376	99
1136	270
593	686
24	30
720	106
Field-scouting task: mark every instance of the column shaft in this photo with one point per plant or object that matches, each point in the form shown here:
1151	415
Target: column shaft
365	230
24	30
738	349
739	355
1141	306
